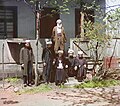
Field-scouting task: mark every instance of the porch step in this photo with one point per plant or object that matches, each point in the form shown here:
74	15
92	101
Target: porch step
71	82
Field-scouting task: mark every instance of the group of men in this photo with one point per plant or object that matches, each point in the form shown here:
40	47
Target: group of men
57	66
63	66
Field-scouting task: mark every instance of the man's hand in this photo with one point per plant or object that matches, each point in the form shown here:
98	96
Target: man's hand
66	66
54	61
22	65
75	68
44	64
85	65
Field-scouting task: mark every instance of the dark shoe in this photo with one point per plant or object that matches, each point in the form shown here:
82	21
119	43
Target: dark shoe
63	83
47	82
25	85
32	83
57	84
29	84
80	80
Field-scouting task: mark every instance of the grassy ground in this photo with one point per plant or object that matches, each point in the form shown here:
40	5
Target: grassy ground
35	89
98	83
12	80
51	95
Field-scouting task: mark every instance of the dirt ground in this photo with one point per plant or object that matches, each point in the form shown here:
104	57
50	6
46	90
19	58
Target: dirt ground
62	97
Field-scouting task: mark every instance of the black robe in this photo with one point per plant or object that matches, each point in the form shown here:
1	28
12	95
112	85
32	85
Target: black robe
71	71
81	62
26	55
47	58
60	73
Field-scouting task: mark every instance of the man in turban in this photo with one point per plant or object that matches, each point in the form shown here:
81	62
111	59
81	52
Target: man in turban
58	36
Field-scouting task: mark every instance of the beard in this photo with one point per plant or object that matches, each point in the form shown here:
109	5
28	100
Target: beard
59	26
71	56
80	57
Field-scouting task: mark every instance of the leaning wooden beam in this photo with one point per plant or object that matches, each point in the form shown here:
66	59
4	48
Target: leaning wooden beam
80	48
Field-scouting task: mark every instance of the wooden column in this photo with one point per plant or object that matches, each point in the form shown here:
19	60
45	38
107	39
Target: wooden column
82	24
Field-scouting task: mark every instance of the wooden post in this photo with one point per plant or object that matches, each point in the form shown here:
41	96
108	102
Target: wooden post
37	38
82	24
3	72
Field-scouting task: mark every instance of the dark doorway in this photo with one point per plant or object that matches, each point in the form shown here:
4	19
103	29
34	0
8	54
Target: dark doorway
47	22
88	15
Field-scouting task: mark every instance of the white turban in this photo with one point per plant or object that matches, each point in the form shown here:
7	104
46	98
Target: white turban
60	51
48	41
70	51
80	52
59	21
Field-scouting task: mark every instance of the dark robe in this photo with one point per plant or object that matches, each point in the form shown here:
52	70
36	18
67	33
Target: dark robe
47	57
81	68
71	72
60	73
27	58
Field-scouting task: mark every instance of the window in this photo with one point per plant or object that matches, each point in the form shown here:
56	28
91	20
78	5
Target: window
47	22
8	22
87	16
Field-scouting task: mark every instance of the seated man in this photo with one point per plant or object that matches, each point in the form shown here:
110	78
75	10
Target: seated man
81	66
72	60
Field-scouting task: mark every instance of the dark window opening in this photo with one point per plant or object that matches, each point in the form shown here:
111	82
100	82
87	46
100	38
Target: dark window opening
47	22
88	15
8	22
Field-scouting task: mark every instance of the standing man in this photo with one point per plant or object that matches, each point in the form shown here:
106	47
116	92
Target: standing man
60	68
26	60
47	58
58	36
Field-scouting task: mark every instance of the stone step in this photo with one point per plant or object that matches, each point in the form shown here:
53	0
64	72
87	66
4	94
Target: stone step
72	81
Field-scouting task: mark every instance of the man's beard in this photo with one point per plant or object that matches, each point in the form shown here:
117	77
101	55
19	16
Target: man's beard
59	26
80	57
71	56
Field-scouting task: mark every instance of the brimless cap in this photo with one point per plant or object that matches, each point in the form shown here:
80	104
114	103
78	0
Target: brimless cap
48	41
80	52
70	51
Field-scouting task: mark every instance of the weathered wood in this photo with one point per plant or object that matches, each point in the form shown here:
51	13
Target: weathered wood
79	47
82	24
3	64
